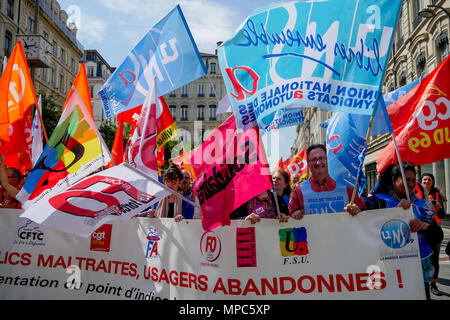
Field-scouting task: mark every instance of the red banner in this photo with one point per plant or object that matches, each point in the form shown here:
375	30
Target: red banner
298	165
421	121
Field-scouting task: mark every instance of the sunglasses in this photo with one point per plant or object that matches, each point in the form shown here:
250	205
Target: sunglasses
173	181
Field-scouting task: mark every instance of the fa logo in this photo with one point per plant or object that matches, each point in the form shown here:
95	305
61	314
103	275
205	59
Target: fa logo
152	245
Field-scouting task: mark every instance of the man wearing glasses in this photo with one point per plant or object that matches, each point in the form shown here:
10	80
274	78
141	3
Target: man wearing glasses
320	193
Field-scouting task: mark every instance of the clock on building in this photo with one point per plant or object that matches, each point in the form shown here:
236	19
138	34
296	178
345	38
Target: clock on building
36	50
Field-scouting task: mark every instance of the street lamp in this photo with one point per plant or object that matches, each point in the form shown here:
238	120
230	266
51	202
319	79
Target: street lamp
428	13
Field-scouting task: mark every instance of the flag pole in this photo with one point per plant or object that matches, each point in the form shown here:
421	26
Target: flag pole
40	118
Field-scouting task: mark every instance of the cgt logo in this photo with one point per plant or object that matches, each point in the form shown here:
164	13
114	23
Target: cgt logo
395	234
101	238
210	246
152	246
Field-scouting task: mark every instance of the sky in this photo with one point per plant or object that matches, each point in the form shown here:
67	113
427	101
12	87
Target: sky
114	28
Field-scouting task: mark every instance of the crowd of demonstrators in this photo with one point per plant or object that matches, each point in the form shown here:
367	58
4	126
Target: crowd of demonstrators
310	196
390	193
437	202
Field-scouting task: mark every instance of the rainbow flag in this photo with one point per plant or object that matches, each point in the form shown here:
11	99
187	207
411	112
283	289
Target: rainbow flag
74	150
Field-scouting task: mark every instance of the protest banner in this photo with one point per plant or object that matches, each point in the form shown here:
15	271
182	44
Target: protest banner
167	52
335	256
325	54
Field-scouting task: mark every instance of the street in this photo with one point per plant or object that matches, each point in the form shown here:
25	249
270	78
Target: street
444	270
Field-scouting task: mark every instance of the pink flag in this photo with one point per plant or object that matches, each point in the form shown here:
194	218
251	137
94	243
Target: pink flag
231	168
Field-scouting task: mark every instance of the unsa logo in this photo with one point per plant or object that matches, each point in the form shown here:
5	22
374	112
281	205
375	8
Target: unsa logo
395	233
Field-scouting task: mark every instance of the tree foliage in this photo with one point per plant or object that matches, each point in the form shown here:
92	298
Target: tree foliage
108	133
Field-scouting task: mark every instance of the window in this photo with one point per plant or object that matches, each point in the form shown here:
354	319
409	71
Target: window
90	72
72	64
184	113
212	112
201	113
402	79
417	5
442	46
8	43
212	90
91	90
184	91
10	9
53	78
61	83
173	112
371	175
30	25
201	89
421	65
55	48
213	68
63	55
172	93
44	74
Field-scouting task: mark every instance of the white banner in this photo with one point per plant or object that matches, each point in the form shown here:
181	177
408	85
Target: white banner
335	256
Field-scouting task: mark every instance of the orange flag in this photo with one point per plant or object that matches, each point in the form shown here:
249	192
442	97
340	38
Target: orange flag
16	97
81	84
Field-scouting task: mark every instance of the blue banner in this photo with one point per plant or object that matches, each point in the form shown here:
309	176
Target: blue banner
167	52
329	54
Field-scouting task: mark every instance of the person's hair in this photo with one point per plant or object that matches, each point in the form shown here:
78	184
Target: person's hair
316	146
287	180
173	173
433	189
390	174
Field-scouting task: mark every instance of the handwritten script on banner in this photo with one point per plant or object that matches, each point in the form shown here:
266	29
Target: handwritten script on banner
370	256
328	54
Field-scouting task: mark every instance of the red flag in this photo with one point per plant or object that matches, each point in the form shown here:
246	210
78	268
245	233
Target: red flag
421	121
117	151
298	164
16	97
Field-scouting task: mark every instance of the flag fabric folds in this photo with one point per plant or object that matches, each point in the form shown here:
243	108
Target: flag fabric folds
118	193
346	151
168	52
81	85
325	54
421	122
74	150
231	168
16	98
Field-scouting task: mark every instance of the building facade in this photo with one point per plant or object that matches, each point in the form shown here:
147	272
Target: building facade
194	105
98	71
19	17
419	45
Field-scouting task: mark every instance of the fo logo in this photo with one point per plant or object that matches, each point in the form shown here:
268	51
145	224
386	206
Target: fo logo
395	233
152	246
210	246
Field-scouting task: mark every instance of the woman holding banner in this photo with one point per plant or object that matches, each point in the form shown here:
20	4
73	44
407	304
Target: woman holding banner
391	193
